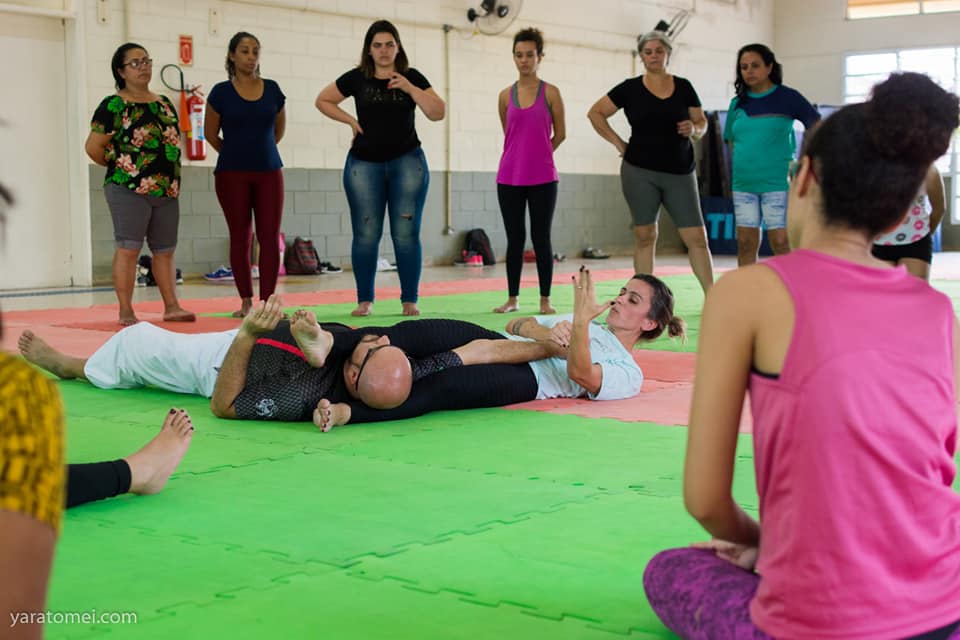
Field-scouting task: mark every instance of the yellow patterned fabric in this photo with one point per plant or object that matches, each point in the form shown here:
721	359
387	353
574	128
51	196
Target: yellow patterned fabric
31	443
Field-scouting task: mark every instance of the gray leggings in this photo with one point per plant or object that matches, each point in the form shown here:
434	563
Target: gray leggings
646	190
135	216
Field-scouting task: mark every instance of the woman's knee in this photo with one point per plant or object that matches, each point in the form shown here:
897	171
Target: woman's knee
645	235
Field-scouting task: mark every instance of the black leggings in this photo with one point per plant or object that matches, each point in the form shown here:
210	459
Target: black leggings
96	481
542	199
473	387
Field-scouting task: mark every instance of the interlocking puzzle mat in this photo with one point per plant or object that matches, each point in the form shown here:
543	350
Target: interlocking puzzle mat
529	522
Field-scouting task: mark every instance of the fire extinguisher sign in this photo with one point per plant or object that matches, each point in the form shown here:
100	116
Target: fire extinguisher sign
186	50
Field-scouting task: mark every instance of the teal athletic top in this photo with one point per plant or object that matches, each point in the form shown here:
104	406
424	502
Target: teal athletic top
760	126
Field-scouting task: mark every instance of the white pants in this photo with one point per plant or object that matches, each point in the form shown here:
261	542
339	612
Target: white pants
146	355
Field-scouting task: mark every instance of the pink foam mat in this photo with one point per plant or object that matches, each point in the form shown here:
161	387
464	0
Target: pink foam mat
664	399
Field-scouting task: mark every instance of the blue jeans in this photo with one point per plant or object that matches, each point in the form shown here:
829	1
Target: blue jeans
400	186
750	207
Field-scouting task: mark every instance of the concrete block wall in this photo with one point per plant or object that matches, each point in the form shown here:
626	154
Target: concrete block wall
590	212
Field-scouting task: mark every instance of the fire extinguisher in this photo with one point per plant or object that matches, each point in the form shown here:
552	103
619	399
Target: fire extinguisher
196	143
191	115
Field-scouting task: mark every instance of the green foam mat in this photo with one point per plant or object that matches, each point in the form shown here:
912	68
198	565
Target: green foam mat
475	524
375	511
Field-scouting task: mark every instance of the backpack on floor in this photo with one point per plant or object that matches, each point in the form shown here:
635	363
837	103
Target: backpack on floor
478	242
301	258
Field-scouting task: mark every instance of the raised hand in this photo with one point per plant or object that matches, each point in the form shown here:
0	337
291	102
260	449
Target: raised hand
398	81
585	305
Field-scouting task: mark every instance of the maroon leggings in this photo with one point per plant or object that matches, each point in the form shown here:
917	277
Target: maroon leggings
261	192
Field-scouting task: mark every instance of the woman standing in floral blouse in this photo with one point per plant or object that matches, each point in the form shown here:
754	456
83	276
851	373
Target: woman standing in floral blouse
135	135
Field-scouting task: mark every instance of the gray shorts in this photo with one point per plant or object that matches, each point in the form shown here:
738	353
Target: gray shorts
646	190
135	216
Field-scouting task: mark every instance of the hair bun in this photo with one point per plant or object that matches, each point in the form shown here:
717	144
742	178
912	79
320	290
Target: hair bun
911	118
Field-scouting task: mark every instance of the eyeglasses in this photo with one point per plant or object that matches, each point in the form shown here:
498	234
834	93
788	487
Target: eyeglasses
363	363
136	63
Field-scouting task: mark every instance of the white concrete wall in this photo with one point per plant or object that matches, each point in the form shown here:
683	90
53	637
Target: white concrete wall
813	36
305	48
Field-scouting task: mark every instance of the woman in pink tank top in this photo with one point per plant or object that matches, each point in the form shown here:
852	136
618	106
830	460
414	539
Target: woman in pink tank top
531	112
851	367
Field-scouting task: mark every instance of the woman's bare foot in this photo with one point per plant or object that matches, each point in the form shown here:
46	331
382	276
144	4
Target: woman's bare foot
410	309
246	304
509	306
545	307
38	352
363	309
128	318
178	314
150	468
311	338
327	416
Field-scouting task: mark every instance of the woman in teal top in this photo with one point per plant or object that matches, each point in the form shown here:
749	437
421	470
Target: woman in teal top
760	132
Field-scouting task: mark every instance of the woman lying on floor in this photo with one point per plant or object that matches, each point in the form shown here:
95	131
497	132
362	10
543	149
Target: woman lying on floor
598	361
851	366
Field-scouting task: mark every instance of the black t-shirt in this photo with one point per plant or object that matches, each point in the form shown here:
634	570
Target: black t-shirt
282	385
385	115
654	142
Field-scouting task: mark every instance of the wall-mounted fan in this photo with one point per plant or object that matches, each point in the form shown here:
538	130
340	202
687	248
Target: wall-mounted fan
676	24
494	16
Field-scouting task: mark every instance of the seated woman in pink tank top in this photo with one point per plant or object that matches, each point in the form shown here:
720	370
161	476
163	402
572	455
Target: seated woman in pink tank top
851	366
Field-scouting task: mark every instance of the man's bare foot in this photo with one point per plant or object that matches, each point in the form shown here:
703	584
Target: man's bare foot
410	309
363	309
327	416
311	338
128	318
38	352
509	306
150	468
246	304
545	307
178	314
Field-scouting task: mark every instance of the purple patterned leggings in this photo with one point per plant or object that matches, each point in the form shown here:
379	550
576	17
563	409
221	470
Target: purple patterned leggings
699	596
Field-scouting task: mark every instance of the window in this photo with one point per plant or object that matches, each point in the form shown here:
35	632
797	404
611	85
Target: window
882	8
942	64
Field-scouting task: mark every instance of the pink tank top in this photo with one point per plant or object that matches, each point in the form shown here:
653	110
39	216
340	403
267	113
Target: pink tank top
527	152
854	449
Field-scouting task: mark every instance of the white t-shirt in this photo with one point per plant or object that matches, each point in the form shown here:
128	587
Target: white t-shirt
622	377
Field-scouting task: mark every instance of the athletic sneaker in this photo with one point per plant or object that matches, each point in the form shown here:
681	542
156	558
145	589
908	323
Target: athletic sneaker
179	277
220	275
255	272
383	265
329	267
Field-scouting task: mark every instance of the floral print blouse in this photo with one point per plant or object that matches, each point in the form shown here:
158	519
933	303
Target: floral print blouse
144	153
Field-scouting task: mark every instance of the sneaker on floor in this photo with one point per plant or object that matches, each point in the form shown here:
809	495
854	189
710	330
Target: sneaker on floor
220	275
255	272
383	265
329	267
179	277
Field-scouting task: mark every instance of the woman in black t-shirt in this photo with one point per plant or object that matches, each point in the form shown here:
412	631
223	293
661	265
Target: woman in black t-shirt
385	167
658	168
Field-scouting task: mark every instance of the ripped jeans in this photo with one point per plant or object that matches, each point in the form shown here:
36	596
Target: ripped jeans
400	186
